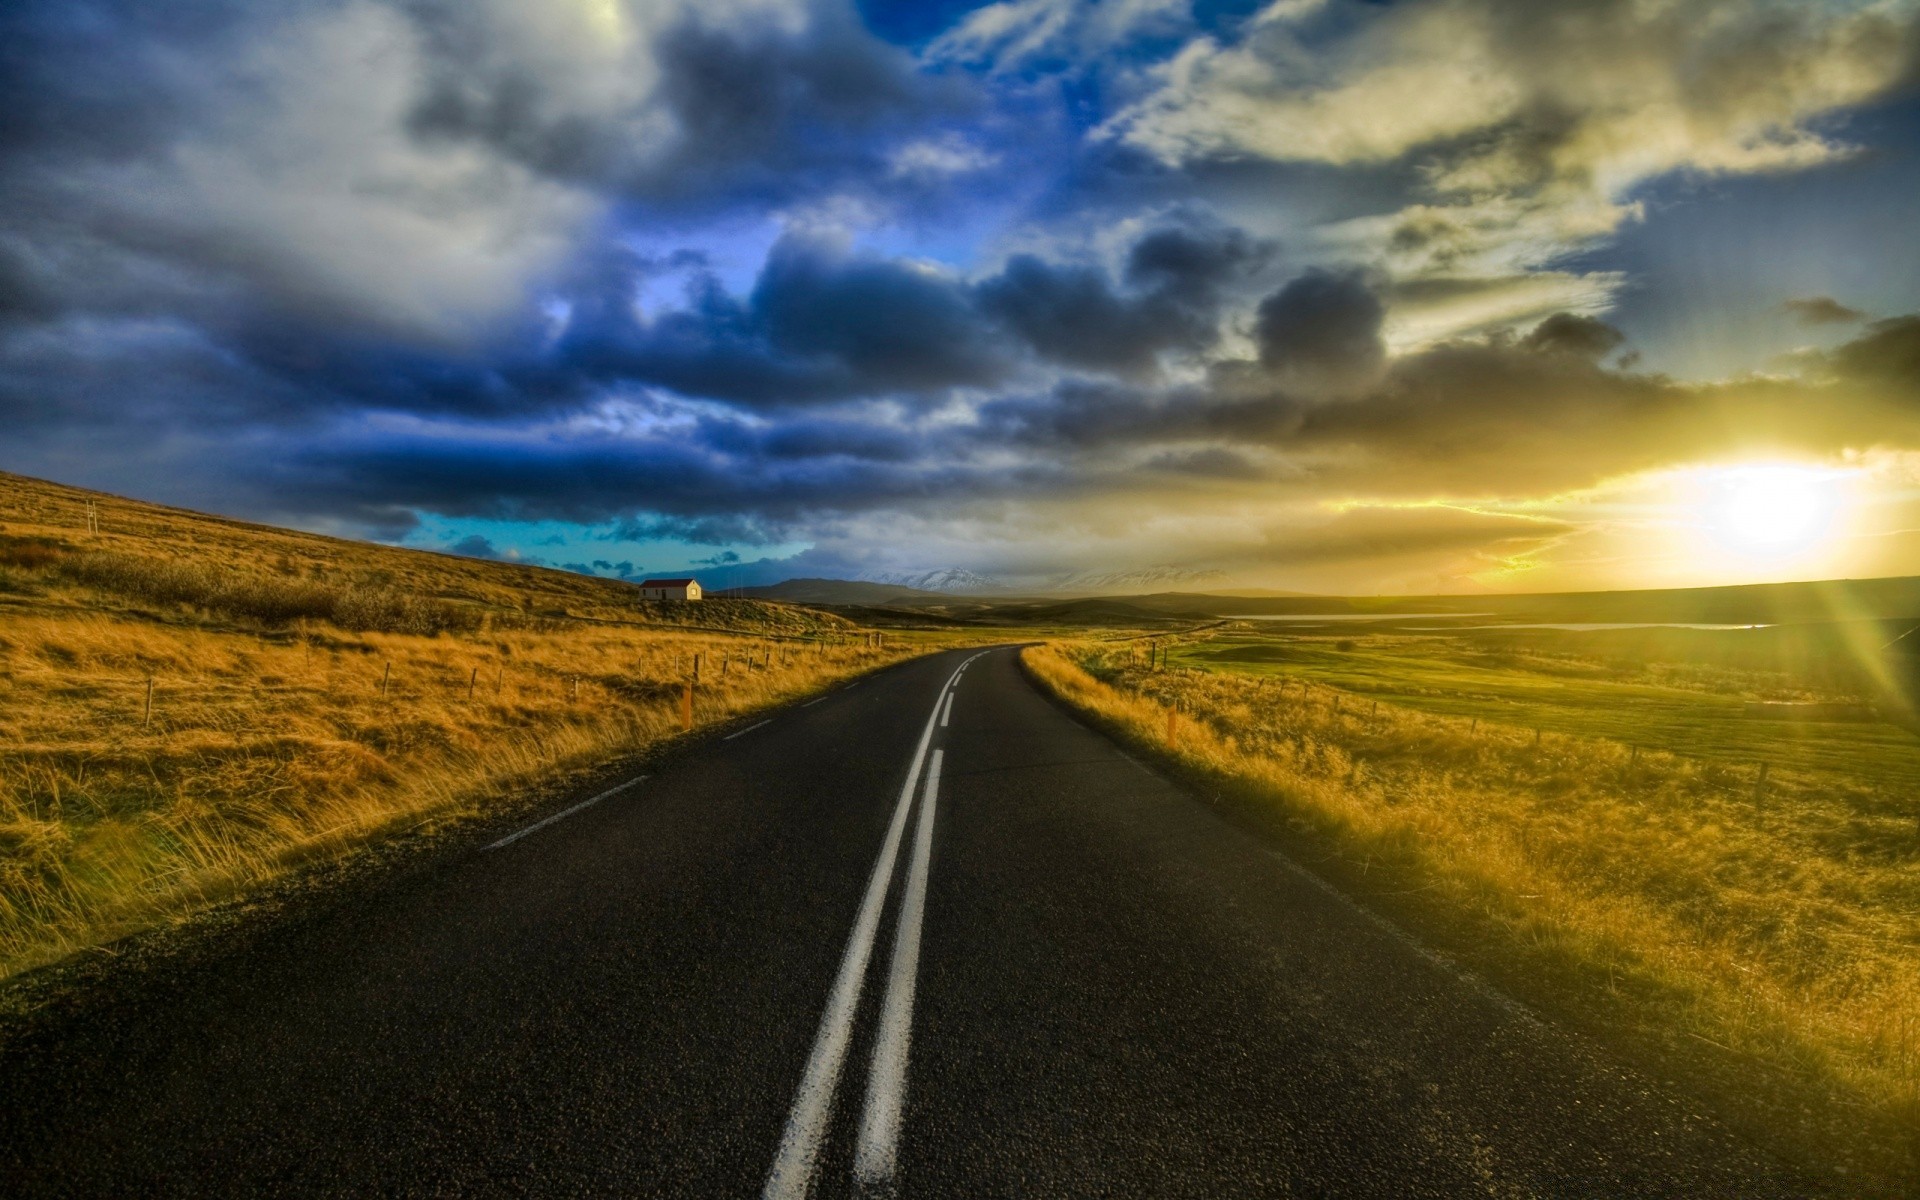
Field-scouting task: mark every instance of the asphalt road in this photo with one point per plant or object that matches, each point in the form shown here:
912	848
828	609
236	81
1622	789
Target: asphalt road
765	969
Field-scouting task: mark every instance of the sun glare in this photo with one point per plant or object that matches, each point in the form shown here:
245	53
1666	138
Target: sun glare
1770	512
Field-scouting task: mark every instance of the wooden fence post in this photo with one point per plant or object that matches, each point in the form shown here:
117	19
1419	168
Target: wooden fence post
472	682
1760	786
386	675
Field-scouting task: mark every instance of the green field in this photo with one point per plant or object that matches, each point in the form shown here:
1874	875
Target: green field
1677	690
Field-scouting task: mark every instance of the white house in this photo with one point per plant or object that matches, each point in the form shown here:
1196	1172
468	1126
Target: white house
670	589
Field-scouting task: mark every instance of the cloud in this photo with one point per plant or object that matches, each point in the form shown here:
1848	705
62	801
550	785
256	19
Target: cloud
740	274
1821	310
1176	284
412	168
1530	126
1013	34
1320	334
474	546
1887	353
1576	335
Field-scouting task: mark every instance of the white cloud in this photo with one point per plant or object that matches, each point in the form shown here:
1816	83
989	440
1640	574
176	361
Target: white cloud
1013	33
1530	124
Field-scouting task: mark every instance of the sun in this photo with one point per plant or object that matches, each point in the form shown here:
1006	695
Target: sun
1771	511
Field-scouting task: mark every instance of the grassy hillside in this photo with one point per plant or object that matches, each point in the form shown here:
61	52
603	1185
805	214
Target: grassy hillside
190	705
1583	815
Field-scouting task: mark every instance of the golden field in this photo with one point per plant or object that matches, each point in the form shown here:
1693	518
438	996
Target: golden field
310	694
1763	942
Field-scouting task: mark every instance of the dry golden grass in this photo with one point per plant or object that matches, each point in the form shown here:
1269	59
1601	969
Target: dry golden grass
1653	897
278	732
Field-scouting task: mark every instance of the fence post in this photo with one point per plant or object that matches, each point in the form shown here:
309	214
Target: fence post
386	674
1760	786
472	682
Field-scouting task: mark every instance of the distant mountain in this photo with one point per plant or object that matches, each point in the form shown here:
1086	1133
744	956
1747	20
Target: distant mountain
960	581
953	580
840	591
1143	579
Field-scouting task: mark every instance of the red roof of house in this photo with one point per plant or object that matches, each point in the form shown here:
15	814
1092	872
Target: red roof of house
666	582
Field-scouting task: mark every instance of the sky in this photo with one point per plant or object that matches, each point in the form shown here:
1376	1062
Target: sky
1318	295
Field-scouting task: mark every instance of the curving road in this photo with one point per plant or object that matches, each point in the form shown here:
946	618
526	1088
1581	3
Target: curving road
926	936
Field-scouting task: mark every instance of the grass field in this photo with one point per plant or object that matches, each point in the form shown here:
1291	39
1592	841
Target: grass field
308	695
1762	940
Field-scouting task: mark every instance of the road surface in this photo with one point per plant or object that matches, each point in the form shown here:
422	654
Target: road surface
927	936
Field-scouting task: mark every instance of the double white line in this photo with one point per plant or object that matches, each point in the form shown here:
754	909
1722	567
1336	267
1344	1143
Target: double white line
876	1153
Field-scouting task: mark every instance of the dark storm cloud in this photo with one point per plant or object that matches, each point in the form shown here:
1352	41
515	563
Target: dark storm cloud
1176	281
474	546
764	110
1888	353
681	487
820	324
1571	333
1321	332
1821	310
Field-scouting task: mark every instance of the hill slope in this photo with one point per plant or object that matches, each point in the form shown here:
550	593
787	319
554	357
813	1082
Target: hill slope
189	705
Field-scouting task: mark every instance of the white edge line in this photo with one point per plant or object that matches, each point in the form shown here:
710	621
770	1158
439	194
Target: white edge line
876	1154
812	702
546	821
749	729
793	1166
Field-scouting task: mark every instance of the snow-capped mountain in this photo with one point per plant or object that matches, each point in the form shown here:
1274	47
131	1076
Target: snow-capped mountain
957	580
962	582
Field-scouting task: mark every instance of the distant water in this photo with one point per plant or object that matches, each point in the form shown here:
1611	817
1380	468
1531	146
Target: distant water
1590	625
1357	616
1577	626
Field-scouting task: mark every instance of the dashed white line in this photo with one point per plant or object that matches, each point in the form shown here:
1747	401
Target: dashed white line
543	823
793	1166
749	729
946	711
876	1154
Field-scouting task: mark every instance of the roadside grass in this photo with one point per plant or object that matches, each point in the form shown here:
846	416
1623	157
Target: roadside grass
1678	690
303	709
1766	943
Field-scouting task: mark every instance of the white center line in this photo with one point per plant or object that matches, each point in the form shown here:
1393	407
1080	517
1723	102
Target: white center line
876	1154
543	823
946	711
747	730
793	1166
